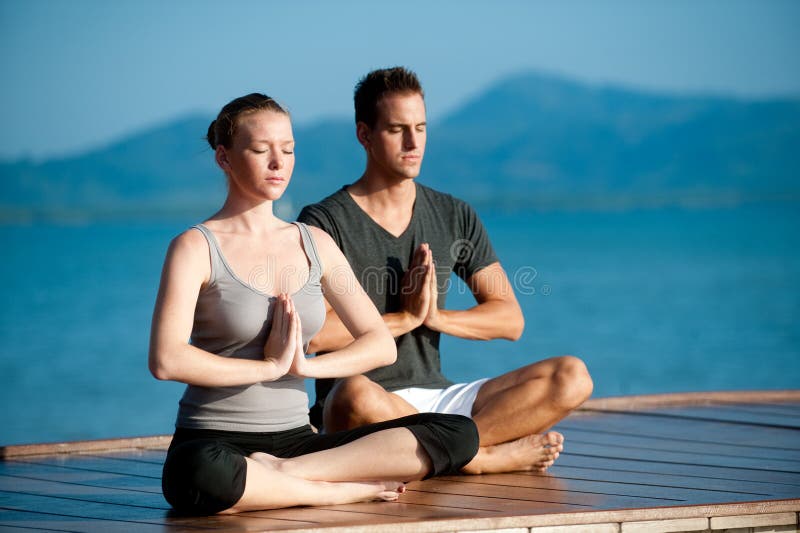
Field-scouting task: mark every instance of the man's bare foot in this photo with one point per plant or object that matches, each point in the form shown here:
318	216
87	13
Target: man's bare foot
532	453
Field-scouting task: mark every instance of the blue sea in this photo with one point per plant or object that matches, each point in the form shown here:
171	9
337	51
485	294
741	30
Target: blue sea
660	300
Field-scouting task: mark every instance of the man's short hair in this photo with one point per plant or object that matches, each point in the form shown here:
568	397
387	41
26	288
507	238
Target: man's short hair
372	87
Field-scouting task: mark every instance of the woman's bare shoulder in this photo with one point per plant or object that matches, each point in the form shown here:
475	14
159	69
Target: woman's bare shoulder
189	245
327	247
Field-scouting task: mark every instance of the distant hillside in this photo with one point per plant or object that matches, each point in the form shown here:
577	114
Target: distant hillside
528	141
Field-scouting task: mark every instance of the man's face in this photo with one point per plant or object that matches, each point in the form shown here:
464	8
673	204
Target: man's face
397	142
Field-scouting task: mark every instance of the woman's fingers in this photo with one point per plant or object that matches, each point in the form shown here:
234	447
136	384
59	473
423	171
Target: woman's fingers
293	328
277	316
299	334
287	318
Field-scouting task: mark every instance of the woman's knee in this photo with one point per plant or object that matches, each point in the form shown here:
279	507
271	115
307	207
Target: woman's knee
454	444
203	477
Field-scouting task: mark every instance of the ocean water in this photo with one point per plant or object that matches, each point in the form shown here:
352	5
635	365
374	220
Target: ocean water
654	301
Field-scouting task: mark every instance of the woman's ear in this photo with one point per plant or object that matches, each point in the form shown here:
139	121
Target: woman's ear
221	156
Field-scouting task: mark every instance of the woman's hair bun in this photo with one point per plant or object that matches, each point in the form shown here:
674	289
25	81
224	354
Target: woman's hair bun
211	136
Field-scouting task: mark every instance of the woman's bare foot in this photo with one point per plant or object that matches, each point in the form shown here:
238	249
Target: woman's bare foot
339	492
532	453
391	490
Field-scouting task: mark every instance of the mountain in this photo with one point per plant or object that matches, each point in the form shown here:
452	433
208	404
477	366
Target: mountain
527	141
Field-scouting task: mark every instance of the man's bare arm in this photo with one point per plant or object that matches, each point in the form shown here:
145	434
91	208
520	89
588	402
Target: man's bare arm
496	316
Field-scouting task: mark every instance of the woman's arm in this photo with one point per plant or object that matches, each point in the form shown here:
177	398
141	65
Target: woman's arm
415	298
372	345
186	269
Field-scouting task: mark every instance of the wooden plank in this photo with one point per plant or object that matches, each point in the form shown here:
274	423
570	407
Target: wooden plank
85	509
665	414
156	457
91	478
433	496
525	494
712	472
757	489
578	433
22	520
786	410
717	413
629	489
92	464
375	512
719	433
379	512
53	448
82	492
682	457
649	401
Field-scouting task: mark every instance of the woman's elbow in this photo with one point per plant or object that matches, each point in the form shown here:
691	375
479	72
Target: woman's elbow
158	368
390	352
385	349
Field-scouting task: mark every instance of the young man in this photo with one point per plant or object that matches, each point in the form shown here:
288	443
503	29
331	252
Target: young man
403	240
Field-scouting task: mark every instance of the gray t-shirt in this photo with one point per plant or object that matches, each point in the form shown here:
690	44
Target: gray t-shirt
459	243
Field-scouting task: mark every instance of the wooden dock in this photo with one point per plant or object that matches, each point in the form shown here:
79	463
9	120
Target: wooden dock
688	462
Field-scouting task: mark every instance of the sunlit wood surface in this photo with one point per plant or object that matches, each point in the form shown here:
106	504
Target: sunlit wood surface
678	459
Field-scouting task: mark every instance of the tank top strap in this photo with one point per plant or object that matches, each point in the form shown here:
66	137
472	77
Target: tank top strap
310	247
213	250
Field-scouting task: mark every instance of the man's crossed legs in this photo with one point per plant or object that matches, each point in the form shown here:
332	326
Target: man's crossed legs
512	412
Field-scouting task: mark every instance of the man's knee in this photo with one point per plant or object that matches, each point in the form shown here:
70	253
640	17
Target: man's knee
572	382
354	396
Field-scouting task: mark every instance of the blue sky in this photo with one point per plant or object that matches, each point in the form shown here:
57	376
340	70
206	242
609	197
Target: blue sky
78	74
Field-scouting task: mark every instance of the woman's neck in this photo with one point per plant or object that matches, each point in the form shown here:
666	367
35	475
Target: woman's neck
244	215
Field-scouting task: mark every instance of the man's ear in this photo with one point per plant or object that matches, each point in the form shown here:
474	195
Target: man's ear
364	135
221	156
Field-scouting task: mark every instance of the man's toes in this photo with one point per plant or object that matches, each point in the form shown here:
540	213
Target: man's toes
554	438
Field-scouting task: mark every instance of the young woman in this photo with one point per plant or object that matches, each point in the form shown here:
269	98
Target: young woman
247	289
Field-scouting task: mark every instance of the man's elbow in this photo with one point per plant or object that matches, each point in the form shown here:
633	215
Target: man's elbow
516	326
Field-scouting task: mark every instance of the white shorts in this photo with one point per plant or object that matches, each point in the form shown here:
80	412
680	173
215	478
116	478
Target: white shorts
456	399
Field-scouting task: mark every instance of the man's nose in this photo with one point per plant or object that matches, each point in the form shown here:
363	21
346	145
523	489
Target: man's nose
411	139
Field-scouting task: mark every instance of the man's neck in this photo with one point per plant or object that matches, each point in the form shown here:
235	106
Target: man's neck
390	203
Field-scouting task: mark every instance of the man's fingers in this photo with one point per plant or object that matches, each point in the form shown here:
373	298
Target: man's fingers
419	255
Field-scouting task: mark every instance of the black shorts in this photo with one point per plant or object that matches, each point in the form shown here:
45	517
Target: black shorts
205	470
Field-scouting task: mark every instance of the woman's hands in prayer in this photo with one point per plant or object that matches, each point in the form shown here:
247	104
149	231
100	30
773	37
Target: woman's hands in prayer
285	338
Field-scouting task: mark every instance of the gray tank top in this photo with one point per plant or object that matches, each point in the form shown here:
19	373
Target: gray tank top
233	319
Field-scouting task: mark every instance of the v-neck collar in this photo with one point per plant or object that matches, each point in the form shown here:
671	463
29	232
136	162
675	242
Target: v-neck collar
372	221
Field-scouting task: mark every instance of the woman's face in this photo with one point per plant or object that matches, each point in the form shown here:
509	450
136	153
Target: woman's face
261	158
